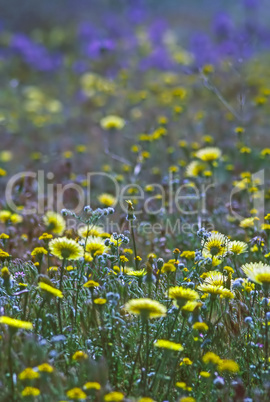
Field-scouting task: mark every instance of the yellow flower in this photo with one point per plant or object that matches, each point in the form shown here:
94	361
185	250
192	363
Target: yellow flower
146	399
189	255
114	397
107	199
245	150
5	274
76	393
112	122
92	385
146	308
139	273
50	290
5	216
95	246
226	294
54	222
93	231
39	251
100	301
3	254
216	244
45	236
79	355
186	361
181	384
30	391
190	306
187	399
214	278
228	269
28	374
200	326
4	236
216	290
12	322
210	357
195	168
208	154
163	343
238	247
258	272
247	222
91	284
205	374
239	130
228	365
65	248
45	368
182	295
167	268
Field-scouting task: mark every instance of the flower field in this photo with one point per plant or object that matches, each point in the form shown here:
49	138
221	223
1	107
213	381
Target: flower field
135	201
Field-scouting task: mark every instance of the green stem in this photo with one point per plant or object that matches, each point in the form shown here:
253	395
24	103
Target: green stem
131	381
10	365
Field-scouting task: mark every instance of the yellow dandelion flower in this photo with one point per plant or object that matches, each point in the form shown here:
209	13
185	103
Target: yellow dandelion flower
189	255
91	284
114	397
217	244
50	290
139	273
195	168
146	308
205	374
190	306
5	216
12	322
182	295
214	278
95	246
5	274
112	122
208	154
226	294
45	368
76	393
167	268
3	254
186	361
92	385
238	247
210	357
200	326
39	251
258	272
79	355
100	301
107	200
54	222
30	391
228	365
65	248
28	374
4	236
45	236
181	384
146	399
163	343
87	231
247	222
